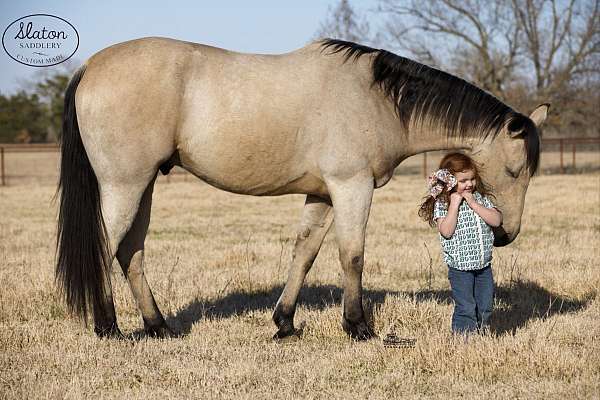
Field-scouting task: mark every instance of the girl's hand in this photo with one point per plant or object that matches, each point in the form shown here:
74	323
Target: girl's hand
455	199
468	196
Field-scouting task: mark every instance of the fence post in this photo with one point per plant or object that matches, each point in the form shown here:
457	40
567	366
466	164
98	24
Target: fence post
2	165
562	168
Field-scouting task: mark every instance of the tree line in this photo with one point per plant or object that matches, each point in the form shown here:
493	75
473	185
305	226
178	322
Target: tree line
34	115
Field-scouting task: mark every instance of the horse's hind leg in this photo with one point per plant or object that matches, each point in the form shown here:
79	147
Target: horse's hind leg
131	258
120	202
316	221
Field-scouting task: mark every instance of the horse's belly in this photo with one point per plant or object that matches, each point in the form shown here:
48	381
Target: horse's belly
249	173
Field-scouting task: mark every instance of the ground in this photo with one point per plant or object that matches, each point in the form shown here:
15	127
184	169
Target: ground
217	263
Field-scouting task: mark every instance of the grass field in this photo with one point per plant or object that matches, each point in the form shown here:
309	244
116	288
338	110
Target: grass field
217	263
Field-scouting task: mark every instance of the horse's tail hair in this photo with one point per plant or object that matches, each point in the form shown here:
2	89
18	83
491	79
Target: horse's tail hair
82	249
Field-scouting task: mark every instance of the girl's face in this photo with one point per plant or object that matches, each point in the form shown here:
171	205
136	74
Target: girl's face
465	181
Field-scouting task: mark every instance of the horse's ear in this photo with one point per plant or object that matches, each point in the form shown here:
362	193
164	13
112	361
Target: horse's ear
538	116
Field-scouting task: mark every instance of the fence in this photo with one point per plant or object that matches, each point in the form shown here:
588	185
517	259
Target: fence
39	162
559	156
572	143
6	148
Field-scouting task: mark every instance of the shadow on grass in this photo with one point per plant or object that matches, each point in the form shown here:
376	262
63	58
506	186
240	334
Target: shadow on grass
524	301
519	303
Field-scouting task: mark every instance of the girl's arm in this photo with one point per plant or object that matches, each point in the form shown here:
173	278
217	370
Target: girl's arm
491	216
447	225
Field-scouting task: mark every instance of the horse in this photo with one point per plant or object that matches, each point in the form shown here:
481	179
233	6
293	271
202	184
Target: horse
331	121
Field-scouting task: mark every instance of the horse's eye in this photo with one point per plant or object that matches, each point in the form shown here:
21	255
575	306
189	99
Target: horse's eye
511	173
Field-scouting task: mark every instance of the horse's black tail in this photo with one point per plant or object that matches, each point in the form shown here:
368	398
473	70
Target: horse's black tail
82	249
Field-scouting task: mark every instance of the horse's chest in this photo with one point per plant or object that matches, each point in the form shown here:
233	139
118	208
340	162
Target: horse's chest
383	179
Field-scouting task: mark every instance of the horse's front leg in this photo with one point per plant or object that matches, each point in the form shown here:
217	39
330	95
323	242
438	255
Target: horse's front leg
351	204
316	221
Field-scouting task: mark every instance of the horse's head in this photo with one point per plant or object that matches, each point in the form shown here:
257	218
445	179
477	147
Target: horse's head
507	163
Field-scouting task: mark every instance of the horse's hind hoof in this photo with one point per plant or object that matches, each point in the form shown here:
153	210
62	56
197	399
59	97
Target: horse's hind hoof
359	330
111	332
160	332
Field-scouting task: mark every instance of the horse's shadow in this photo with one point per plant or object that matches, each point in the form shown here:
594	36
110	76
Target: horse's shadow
517	303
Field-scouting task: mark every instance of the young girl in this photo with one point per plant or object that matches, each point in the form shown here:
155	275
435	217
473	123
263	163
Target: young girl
458	204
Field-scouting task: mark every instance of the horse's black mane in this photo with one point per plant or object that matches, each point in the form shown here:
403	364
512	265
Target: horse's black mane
419	91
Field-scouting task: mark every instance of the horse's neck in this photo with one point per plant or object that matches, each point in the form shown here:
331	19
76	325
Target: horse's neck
432	137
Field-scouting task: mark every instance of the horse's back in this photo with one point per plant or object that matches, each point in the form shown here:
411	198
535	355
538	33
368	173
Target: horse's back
244	125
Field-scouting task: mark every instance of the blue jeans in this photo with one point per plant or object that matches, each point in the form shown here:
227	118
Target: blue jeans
473	295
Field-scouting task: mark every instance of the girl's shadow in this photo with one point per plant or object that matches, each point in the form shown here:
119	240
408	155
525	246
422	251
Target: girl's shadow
517	303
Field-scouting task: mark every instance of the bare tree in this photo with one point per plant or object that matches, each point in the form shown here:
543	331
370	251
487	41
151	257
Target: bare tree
561	40
523	51
476	38
342	22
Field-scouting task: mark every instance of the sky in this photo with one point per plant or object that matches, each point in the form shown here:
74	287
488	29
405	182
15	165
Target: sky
258	26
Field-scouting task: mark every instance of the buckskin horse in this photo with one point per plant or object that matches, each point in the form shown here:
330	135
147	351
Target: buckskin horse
331	120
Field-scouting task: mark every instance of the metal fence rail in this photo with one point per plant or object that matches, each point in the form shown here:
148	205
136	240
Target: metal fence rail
563	146
413	165
22	148
573	142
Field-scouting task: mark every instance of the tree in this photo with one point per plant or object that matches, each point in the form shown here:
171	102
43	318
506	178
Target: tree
342	22
561	41
22	114
475	38
36	113
52	92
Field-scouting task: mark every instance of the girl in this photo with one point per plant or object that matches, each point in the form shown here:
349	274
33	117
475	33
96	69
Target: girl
458	204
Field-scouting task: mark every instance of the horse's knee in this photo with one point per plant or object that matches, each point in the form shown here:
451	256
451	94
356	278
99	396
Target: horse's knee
303	233
357	262
354	261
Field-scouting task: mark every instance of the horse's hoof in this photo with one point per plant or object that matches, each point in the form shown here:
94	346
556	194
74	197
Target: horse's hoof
287	336
111	332
358	330
160	332
284	322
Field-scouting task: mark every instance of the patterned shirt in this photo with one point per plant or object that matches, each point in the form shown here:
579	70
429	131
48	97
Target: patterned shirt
470	247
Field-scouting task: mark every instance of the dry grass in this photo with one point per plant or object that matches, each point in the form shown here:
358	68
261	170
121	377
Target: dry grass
217	263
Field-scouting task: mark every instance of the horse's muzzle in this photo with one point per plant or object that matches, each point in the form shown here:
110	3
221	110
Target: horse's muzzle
501	237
